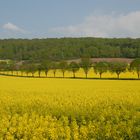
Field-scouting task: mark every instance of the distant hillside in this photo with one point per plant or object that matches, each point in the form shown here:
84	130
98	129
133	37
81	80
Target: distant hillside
68	48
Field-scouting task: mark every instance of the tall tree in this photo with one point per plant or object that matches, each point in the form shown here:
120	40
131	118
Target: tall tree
3	66
22	69
29	67
54	67
74	67
32	68
11	66
135	65
39	69
46	67
117	67
86	65
101	67
63	66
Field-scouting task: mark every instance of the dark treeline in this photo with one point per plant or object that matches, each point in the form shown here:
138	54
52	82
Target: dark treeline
30	67
68	48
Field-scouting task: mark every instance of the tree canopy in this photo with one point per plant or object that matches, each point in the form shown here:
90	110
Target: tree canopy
118	67
135	65
101	67
57	49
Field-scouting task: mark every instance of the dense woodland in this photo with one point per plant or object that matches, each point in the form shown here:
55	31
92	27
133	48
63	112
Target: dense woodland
68	48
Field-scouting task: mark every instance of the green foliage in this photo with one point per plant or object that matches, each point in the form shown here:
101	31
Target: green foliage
118	67
101	67
54	66
11	66
86	65
63	66
31	68
46	66
68	48
74	67
3	65
40	67
135	65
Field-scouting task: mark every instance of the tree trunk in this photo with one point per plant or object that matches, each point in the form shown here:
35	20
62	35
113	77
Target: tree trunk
54	73
39	73
100	75
73	74
63	74
118	75
21	73
138	75
46	74
86	75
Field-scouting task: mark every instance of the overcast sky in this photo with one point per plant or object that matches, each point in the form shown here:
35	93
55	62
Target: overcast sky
69	18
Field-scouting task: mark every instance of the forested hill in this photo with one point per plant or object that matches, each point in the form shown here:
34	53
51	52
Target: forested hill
68	48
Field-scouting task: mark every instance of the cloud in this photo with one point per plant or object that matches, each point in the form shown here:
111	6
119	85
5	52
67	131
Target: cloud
123	25
13	28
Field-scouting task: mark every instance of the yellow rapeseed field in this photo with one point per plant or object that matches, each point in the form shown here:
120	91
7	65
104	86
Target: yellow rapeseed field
69	109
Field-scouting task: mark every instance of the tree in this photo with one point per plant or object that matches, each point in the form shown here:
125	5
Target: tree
32	68
118	67
46	66
101	67
29	68
135	65
39	69
11	66
74	67
3	66
63	67
86	65
17	68
22	69
54	67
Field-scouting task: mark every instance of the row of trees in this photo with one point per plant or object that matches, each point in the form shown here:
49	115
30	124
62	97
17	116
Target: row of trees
45	66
